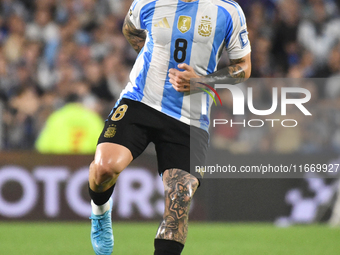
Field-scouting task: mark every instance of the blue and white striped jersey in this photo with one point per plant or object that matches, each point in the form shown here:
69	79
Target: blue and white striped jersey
194	33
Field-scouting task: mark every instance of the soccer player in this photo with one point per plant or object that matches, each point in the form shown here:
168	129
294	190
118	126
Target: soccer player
176	40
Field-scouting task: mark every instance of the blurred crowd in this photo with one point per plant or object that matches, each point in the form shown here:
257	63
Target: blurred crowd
52	51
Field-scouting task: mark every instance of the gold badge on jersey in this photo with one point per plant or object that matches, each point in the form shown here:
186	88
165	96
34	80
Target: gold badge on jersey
204	27
110	131
184	24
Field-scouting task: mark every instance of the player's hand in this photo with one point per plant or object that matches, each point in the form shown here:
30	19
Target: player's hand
181	80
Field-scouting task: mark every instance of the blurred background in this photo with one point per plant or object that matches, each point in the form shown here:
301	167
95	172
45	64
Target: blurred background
63	64
53	52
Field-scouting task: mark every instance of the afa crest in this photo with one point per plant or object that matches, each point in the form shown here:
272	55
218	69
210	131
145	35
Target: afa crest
204	27
110	131
184	24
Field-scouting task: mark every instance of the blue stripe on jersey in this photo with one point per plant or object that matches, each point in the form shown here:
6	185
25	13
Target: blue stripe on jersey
221	33
230	28
134	4
137	94
204	119
172	100
239	11
223	17
127	94
146	15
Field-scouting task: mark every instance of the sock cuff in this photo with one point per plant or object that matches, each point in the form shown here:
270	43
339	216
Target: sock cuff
168	247
100	198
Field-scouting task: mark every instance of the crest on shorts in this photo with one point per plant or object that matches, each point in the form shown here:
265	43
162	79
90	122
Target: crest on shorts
110	131
204	27
184	23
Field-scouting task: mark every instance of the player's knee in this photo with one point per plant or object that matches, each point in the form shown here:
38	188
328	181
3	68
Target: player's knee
104	171
184	193
180	187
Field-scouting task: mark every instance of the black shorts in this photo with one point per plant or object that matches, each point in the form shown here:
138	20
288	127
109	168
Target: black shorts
134	125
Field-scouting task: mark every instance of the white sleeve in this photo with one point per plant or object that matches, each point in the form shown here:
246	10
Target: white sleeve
239	44
134	13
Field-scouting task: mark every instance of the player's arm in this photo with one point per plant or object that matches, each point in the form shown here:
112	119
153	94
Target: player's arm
136	37
238	71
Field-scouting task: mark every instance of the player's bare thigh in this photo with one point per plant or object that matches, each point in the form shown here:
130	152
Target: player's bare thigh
110	160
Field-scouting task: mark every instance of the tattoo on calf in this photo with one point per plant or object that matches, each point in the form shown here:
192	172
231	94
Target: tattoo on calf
168	229
180	199
179	189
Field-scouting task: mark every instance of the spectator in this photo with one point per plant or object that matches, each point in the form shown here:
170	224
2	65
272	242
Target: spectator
73	129
319	32
99	85
13	46
285	45
43	28
19	119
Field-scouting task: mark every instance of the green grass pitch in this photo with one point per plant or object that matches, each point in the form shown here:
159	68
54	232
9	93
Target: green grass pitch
203	239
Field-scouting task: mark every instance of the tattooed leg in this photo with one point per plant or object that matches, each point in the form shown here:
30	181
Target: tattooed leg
179	188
